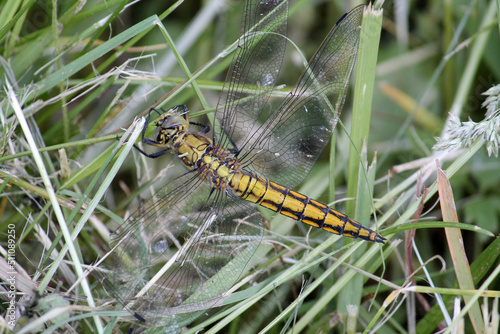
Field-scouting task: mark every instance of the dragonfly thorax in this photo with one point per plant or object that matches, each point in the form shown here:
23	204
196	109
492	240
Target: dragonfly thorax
214	164
217	166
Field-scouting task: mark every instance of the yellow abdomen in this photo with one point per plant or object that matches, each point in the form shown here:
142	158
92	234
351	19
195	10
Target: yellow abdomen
253	188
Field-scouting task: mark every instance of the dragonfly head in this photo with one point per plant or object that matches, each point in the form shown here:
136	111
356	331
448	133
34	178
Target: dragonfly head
168	125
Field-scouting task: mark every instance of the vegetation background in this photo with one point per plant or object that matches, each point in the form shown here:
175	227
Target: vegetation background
83	70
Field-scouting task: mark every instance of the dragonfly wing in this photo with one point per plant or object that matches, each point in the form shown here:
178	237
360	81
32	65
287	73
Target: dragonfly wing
286	146
177	257
254	70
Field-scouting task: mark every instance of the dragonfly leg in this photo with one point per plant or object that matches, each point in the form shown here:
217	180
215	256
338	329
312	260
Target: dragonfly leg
149	141
146	125
205	127
153	109
153	155
185	110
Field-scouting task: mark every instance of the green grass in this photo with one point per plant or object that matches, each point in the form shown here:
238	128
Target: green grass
79	77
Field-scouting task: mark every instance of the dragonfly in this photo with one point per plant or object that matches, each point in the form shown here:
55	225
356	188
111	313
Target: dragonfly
190	243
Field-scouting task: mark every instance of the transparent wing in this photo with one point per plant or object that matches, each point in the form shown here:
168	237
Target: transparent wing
254	70
177	257
287	144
